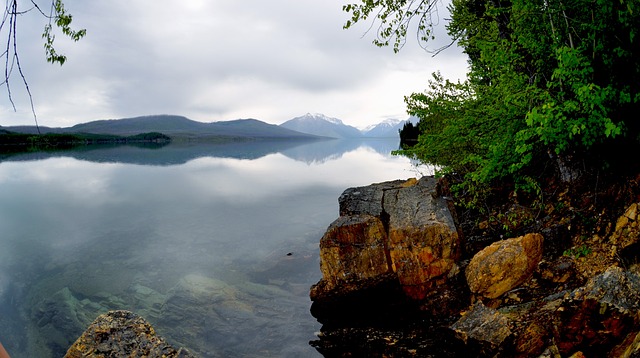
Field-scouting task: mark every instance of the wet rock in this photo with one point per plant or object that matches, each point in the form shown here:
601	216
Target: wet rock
123	334
504	265
393	231
483	328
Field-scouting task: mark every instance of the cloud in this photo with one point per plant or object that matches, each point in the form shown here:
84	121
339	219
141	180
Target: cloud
220	60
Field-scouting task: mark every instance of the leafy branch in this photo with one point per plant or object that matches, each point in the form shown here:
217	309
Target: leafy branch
57	16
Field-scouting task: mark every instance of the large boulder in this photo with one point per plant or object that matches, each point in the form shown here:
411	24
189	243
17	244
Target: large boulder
504	265
123	334
399	231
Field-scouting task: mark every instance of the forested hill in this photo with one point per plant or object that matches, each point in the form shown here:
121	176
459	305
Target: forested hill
175	126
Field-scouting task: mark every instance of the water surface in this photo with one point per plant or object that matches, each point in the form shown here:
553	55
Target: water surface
215	245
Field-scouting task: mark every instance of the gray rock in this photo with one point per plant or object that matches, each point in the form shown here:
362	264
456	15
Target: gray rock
615	288
484	327
365	200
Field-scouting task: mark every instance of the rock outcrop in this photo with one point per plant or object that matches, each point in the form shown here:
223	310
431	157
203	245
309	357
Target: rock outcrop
504	265
400	232
577	295
123	334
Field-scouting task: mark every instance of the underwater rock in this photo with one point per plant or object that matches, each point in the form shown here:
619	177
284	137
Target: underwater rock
59	318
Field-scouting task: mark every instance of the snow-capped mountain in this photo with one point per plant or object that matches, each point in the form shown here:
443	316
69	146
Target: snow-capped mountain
321	125
387	128
384	129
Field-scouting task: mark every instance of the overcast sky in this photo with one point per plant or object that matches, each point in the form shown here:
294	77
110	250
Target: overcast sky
215	60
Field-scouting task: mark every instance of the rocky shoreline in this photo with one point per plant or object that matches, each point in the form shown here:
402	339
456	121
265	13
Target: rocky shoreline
401	278
395	278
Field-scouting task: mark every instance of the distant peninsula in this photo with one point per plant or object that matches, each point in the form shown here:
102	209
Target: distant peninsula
152	130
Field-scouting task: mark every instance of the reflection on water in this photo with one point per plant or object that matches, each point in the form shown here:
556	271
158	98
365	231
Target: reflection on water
216	251
316	151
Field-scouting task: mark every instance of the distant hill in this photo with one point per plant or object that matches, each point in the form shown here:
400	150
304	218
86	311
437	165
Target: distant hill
175	126
321	125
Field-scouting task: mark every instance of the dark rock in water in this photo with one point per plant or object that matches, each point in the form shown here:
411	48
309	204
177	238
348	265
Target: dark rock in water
408	341
482	328
123	334
393	234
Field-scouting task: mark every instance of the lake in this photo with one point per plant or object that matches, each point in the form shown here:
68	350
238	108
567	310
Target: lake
215	245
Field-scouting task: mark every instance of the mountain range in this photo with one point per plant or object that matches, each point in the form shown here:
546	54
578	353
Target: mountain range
175	126
321	125
309	126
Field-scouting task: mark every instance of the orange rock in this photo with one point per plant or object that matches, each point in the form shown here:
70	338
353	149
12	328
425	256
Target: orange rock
399	230
504	265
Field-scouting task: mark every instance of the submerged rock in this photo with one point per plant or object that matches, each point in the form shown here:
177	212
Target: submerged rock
504	265
59	318
123	334
399	234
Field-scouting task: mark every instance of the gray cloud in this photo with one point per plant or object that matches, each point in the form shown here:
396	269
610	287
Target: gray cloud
219	60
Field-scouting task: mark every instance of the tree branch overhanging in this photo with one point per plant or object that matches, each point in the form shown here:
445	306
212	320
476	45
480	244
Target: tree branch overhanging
57	16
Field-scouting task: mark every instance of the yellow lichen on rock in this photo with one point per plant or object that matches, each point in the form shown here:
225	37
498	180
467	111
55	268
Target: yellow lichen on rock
504	265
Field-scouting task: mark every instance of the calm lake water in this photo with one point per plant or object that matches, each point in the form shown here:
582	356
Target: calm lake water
215	245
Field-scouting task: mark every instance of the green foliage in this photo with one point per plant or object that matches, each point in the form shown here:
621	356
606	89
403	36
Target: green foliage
62	20
395	17
577	252
547	79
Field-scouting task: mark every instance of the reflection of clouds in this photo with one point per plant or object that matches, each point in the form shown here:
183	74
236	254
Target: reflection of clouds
61	177
250	180
60	204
